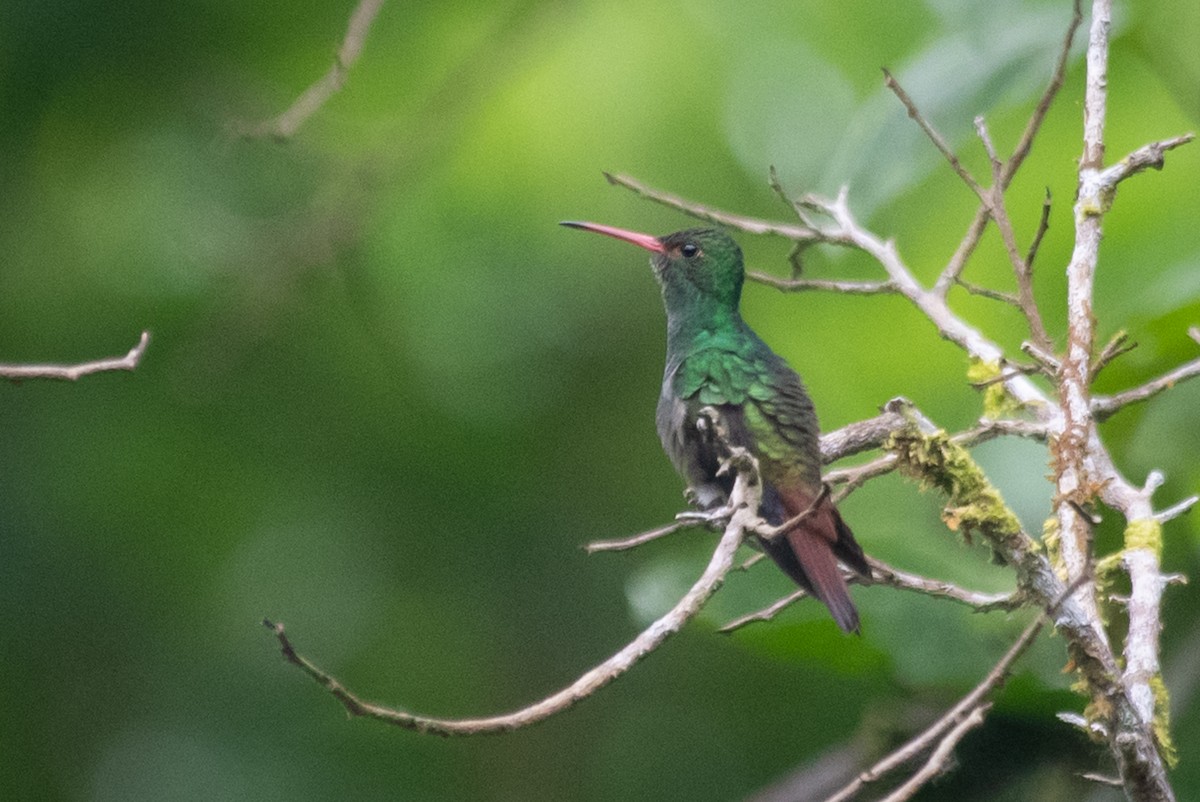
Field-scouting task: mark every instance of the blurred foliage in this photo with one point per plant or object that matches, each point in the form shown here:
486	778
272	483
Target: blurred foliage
387	398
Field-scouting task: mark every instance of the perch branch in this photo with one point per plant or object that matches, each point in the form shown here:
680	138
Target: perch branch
743	505
73	372
849	440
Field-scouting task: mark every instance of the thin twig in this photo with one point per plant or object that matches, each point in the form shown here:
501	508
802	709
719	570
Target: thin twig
865	435
1008	370
953	270
936	138
1175	510
826	285
987	292
73	372
1152	155
951	720
624	544
1025	144
1021	270
975	230
765	614
1043	227
884	574
940	757
698	210
1102	779
284	126
775	532
751	561
1050	363
1115	347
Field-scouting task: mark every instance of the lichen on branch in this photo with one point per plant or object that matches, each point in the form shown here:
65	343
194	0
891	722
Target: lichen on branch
973	504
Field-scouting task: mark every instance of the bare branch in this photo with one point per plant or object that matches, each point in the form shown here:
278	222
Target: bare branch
1175	510
938	760
1025	300
975	230
1051	365
864	435
1025	144
1152	155
1117	346
73	372
1105	406
884	574
624	544
987	292
966	247
1043	227
767	613
1083	468
847	287
937	139
1102	779
710	214
1008	370
284	126
742	520
986	430
969	706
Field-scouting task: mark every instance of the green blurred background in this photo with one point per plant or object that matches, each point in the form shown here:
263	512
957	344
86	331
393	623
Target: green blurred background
387	397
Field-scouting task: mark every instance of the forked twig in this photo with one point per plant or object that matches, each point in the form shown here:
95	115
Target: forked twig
949	728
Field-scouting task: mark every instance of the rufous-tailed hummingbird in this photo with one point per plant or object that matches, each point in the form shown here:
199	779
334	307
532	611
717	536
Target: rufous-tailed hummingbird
715	359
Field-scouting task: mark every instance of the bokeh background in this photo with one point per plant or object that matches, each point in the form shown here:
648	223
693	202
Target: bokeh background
388	398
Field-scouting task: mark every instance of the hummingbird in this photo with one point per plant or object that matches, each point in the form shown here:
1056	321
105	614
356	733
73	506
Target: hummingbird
714	359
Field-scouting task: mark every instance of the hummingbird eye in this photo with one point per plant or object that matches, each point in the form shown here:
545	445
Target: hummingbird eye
689	250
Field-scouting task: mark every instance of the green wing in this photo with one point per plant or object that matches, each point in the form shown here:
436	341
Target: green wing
778	416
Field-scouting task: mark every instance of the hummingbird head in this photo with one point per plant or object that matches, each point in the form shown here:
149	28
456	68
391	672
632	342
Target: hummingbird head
697	267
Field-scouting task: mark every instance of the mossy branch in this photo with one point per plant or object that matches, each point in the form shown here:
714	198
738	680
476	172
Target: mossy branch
974	505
